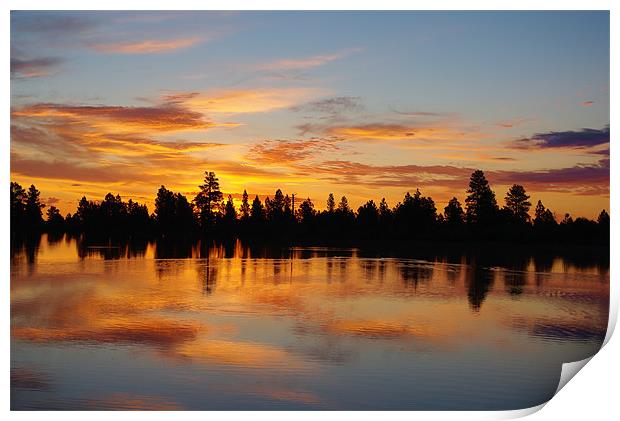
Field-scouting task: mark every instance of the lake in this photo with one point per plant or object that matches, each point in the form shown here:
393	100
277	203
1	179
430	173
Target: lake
201	327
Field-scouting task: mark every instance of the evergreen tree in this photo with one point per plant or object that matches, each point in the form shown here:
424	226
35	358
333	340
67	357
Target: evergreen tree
603	220
258	211
275	209
245	206
306	212
543	216
230	213
517	202
368	216
54	218
331	203
164	209
343	206
384	209
18	206
481	206
33	206
208	200
453	212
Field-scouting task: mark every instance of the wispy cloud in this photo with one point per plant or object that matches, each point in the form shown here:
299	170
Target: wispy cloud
306	62
418	113
33	68
148	46
51	24
509	124
332	106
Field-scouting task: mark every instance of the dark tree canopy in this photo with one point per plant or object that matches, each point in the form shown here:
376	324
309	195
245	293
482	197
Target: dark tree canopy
208	200
543	216
244	210
414	219
331	203
173	213
230	213
343	206
453	212
480	203
33	214
518	204
258	210
306	212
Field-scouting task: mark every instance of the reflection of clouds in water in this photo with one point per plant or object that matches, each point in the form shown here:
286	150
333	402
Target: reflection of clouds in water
27	378
556	329
241	354
127	402
291	317
155	332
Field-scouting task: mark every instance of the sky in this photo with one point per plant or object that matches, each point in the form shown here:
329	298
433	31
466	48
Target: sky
362	104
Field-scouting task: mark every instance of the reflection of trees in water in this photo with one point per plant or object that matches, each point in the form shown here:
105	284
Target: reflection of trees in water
25	246
369	266
382	268
453	273
329	264
54	238
208	276
414	273
515	278
543	263
110	249
479	281
244	268
515	281
173	250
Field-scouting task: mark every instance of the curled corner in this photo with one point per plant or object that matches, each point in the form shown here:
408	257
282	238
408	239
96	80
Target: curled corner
569	370
520	413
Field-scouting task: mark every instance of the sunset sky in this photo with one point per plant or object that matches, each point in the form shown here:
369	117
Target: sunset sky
362	104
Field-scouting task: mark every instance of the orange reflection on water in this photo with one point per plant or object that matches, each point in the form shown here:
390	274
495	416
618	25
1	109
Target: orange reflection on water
296	313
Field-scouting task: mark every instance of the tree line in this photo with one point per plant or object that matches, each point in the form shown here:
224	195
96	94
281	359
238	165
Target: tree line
416	217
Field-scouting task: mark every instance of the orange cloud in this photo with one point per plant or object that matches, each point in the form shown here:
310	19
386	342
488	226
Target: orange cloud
587	103
119	118
383	131
287	151
242	100
149	46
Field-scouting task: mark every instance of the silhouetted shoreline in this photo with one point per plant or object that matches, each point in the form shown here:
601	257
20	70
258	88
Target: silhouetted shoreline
280	220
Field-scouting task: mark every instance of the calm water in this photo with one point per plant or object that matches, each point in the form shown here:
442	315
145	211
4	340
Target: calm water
237	328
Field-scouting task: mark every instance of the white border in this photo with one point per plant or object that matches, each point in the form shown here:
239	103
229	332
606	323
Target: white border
593	394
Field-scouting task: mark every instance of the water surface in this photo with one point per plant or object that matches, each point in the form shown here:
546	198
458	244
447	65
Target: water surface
214	327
